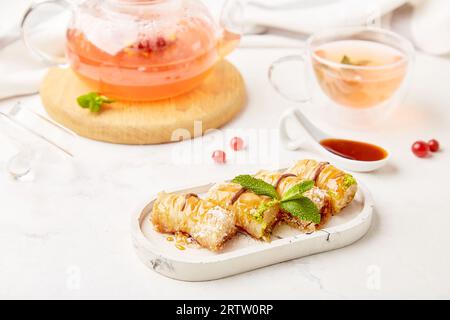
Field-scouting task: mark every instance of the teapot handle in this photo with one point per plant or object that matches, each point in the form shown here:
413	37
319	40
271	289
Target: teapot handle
27	31
232	23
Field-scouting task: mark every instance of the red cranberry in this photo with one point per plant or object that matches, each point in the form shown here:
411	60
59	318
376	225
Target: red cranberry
161	42
141	45
420	149
433	144
237	144
219	156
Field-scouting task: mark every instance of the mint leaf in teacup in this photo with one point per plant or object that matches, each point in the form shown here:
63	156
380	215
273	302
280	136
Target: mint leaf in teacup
346	60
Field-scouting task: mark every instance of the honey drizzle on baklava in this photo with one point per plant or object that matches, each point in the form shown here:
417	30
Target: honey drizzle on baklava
283	176
186	197
319	170
237	195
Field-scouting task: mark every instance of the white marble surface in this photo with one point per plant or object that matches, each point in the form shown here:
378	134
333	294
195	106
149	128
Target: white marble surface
67	233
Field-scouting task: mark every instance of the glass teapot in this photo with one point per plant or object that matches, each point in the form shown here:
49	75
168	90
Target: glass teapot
143	50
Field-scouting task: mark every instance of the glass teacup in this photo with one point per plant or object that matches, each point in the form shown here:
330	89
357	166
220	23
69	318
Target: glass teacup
353	76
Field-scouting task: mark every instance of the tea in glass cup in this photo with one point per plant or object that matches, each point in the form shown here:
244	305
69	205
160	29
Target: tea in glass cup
354	76
367	81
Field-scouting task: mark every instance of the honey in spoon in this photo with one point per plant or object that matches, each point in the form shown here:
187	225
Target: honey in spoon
354	150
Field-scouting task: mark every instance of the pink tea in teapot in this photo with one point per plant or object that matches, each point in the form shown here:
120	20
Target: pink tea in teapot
152	67
143	50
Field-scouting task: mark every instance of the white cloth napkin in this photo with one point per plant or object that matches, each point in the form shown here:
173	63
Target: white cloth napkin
425	22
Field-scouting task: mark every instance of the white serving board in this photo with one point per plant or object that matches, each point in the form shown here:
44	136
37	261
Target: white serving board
243	253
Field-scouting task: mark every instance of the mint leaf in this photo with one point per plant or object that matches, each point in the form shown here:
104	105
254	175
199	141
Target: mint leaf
362	62
258	186
93	101
346	60
298	190
106	100
85	101
303	208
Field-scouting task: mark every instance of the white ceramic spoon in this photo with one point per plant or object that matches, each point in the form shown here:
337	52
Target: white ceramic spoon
311	140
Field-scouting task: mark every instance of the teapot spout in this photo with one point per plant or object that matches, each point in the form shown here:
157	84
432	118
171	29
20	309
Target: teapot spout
228	42
232	23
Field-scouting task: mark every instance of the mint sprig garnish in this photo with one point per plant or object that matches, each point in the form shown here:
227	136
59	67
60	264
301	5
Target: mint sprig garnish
93	101
258	186
293	202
